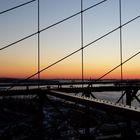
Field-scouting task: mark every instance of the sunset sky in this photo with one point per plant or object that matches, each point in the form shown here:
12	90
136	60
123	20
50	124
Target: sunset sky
20	60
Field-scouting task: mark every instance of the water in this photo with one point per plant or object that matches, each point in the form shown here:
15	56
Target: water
114	97
110	96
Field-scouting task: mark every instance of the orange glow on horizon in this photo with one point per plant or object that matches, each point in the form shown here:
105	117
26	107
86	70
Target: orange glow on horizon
70	71
72	75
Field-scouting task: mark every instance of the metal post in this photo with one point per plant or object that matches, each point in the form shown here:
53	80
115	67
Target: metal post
128	97
87	119
129	134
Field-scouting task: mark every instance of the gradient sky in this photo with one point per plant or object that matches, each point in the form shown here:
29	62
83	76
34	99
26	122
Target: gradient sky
20	60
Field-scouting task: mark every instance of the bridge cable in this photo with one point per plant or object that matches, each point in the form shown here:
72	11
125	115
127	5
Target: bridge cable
38	5
71	55
121	52
82	42
13	8
57	23
58	61
118	66
87	46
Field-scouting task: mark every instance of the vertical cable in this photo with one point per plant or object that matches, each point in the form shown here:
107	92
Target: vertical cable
87	130
121	51
82	53
38	42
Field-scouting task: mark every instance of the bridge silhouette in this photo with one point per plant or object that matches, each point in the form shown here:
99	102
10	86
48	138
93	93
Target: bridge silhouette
81	91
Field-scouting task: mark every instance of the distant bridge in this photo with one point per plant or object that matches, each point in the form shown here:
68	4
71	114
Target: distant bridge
130	89
68	82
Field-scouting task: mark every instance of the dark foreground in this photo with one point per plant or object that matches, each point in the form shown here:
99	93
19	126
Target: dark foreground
26	118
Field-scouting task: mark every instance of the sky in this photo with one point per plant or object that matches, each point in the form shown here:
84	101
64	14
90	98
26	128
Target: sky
21	59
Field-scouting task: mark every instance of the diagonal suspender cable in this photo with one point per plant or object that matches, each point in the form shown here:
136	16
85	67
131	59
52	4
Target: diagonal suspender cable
39	71
58	61
118	66
133	56
57	23
10	9
86	46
